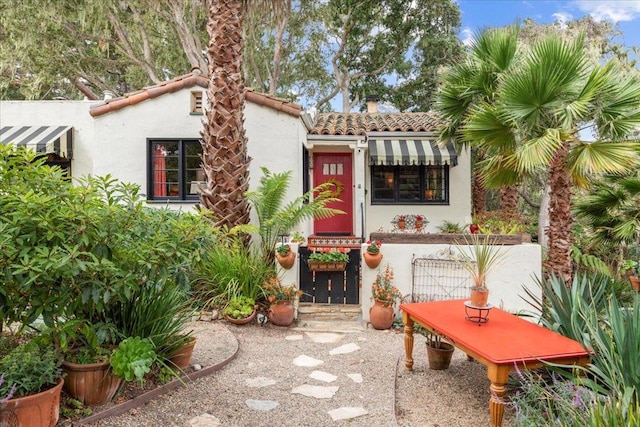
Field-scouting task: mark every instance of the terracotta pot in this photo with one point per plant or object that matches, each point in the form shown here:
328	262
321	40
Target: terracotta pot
635	283
286	261
281	313
181	357
372	260
90	383
440	358
36	410
402	224
381	317
479	297
242	321
419	224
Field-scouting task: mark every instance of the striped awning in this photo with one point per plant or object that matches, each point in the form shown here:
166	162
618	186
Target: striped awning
42	139
411	151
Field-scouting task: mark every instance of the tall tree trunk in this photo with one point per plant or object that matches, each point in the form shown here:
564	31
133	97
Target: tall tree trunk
509	199
224	149
560	221
478	193
543	217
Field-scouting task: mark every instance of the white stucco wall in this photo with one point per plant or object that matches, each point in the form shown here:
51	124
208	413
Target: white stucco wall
378	217
519	269
56	113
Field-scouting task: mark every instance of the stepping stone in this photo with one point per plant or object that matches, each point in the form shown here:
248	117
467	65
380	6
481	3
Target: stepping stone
347	412
323	376
204	420
297	337
306	361
261	405
324	337
260	382
317	391
357	378
343	349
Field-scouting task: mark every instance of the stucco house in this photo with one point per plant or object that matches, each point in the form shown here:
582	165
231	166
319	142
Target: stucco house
382	165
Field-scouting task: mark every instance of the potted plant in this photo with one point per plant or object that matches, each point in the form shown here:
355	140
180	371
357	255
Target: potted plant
285	256
281	310
240	310
439	352
372	256
419	222
334	260
630	267
30	384
384	295
297	237
479	256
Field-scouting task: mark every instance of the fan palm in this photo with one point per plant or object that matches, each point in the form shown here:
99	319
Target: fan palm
534	123
472	82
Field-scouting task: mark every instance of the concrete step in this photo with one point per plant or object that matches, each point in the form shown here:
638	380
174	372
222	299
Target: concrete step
326	312
345	327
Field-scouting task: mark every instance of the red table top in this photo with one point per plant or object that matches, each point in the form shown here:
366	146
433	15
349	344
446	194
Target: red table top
504	339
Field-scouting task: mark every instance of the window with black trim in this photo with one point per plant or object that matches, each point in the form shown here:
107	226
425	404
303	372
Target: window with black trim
410	184
174	171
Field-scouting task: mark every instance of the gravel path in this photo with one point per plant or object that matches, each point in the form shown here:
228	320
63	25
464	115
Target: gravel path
264	372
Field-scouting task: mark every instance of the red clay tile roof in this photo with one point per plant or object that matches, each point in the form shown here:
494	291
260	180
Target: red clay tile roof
195	78
360	123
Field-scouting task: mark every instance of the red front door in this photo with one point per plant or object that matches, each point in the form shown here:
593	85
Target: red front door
336	168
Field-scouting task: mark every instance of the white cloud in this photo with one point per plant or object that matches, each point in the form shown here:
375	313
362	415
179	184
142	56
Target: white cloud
611	10
467	36
562	18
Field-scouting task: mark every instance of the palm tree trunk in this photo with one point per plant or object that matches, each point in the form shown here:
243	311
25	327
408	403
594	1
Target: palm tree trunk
560	220
509	199
224	148
478	193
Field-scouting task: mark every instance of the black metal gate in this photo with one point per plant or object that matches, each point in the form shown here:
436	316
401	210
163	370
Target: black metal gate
332	287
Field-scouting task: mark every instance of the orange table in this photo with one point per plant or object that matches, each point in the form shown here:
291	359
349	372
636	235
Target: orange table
500	344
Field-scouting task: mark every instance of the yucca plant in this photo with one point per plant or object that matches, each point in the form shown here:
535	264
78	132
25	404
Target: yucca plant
479	256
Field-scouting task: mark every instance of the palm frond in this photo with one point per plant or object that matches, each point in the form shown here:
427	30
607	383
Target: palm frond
598	157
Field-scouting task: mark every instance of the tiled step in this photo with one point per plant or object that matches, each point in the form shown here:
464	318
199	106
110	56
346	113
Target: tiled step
330	317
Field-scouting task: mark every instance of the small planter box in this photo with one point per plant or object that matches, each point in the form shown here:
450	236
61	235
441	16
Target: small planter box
326	266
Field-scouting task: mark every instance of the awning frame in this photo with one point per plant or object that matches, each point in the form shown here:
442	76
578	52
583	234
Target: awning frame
43	139
409	149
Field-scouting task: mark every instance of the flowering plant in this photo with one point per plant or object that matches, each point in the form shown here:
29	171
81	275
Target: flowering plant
401	217
382	290
374	247
419	218
276	292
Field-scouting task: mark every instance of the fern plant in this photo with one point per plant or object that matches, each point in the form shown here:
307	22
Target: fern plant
277	217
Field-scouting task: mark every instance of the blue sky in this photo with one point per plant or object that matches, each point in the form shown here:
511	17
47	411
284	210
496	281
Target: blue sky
477	14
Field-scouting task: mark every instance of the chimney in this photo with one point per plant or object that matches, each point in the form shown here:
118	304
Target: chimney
372	103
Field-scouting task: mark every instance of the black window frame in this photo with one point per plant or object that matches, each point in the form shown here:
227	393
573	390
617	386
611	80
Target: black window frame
422	173
183	194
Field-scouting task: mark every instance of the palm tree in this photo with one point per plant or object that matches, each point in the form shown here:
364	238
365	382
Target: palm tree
224	147
533	125
473	82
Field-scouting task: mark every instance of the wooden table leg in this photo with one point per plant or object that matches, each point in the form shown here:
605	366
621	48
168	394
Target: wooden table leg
498	377
408	341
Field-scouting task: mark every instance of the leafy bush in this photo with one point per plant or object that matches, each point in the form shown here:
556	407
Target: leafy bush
71	251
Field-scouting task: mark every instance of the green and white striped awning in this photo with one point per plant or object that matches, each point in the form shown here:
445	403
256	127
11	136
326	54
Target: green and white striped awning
42	139
410	151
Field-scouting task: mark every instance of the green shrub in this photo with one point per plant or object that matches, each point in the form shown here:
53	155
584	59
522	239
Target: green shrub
331	256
